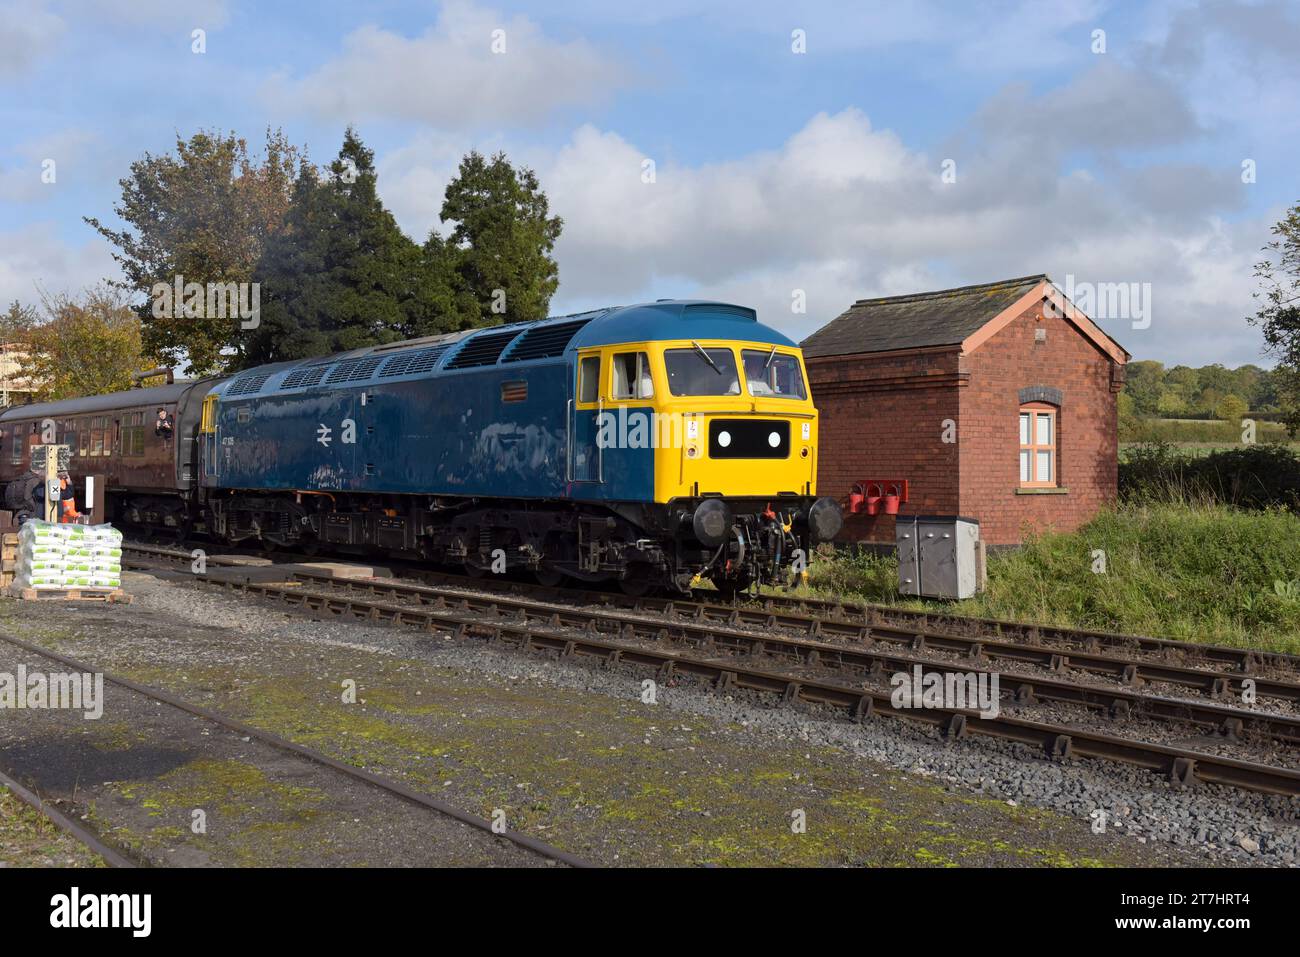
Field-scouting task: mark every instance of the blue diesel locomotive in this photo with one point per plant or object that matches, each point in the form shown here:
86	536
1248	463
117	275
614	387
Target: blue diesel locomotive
652	445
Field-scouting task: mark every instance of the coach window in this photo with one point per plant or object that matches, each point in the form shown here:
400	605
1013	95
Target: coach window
589	379
632	376
18	446
83	437
1038	445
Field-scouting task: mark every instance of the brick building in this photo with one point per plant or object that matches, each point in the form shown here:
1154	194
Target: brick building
996	402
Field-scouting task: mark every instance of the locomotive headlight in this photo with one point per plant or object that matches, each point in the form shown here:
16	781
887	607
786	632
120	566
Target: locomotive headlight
724	438
773	439
692	451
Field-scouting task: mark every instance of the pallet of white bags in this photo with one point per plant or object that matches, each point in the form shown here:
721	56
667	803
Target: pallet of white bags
112	596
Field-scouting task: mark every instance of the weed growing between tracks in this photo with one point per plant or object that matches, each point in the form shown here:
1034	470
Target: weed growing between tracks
30	839
1197	572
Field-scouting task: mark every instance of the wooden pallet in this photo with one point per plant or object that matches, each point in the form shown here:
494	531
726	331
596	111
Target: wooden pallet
113	596
8	558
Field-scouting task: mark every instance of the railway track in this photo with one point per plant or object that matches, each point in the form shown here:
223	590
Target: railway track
279	743
683	642
64	823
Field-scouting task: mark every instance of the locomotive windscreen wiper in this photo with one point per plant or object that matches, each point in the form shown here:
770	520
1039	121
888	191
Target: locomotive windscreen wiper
707	358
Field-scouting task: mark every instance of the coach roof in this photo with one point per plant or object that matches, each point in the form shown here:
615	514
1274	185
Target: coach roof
61	408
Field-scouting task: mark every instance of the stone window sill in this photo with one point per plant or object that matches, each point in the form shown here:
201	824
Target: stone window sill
1042	491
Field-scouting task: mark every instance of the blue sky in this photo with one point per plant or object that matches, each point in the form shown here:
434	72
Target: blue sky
775	171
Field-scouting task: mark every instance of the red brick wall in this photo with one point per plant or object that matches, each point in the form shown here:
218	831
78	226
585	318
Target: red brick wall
989	440
882	416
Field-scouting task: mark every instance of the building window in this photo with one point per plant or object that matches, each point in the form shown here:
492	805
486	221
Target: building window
1038	445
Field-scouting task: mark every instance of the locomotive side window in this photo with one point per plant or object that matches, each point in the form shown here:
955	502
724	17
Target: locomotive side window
771	373
700	371
589	379
632	376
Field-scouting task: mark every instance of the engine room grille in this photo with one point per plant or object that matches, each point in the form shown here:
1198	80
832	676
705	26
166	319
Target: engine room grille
354	370
413	362
545	342
248	384
482	350
305	376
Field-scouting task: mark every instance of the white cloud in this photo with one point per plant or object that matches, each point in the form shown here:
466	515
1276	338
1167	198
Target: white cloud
843	210
30	31
34	257
450	76
21	179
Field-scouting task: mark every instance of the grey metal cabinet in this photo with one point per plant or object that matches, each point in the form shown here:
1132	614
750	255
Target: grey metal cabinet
939	556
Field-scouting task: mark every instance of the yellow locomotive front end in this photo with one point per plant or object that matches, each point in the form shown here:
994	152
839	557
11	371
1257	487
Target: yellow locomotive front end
729	438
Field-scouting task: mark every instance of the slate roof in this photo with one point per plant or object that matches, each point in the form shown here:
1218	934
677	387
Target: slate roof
946	317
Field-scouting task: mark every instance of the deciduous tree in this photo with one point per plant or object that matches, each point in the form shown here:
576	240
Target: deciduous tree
1279	311
205	215
86	345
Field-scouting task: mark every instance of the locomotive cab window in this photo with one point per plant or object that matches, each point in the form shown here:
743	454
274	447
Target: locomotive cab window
632	376
1038	445
589	379
700	371
772	373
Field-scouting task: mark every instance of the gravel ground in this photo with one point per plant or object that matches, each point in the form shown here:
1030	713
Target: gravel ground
258	805
574	757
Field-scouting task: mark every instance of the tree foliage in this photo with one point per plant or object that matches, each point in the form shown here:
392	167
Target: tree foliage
1197	392
86	345
342	274
17	322
1279	310
503	238
333	269
1230	408
203	214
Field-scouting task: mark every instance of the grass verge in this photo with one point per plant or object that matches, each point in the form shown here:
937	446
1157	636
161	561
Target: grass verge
1210	573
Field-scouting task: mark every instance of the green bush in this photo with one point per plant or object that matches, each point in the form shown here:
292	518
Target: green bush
1251	476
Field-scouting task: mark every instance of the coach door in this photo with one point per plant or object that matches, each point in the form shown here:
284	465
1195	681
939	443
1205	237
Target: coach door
584	411
208	436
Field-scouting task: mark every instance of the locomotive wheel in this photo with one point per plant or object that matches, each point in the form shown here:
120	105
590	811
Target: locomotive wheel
729	588
548	577
638	582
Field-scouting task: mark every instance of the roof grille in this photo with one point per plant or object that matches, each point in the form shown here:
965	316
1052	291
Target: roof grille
482	350
248	384
545	342
413	362
354	370
305	376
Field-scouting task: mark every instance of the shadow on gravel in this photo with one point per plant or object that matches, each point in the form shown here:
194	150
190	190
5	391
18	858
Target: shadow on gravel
60	765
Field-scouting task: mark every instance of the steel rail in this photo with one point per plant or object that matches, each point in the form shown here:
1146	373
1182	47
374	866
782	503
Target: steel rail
1074	654
864	658
1182	765
310	754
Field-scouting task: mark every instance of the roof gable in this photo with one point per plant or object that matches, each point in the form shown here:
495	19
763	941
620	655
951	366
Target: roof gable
943	318
964	317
